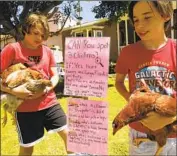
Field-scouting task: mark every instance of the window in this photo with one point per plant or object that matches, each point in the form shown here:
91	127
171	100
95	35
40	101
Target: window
80	34
131	35
122	35
98	33
90	33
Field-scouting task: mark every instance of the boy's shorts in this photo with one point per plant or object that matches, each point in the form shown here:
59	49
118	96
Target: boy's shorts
30	125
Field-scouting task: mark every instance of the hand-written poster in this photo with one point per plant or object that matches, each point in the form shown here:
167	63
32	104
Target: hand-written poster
86	66
88	126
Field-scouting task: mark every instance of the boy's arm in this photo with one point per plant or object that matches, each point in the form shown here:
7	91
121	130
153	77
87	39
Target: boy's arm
54	79
120	86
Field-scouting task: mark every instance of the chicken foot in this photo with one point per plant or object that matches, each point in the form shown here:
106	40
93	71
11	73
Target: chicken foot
159	150
4	118
138	141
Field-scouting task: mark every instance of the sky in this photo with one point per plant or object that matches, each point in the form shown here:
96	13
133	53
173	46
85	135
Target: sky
86	13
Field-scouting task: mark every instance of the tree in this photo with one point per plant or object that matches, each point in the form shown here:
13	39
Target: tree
113	10
70	9
13	13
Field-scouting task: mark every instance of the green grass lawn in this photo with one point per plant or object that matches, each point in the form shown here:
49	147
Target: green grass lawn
52	143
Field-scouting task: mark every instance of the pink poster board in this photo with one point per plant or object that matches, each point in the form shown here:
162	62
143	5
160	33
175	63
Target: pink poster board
88	127
86	66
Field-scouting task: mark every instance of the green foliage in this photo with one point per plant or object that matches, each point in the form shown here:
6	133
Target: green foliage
111	9
13	13
52	143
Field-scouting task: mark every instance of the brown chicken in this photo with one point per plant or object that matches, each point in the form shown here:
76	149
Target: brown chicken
17	75
144	102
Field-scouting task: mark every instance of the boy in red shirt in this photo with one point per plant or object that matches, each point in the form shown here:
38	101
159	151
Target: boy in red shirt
40	110
151	61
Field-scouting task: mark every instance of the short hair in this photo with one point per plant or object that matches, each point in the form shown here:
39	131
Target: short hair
165	9
31	20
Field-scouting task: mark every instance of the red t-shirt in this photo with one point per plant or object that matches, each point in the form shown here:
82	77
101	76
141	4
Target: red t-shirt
155	68
41	60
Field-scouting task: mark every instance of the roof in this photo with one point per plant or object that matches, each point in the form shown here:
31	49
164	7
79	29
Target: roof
91	24
87	24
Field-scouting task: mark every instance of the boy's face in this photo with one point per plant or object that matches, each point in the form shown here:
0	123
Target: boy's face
35	37
148	22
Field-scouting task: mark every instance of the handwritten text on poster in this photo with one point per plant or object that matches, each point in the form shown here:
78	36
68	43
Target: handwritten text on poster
88	125
86	66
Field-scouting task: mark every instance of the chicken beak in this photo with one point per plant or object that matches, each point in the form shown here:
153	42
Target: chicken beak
117	124
115	127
